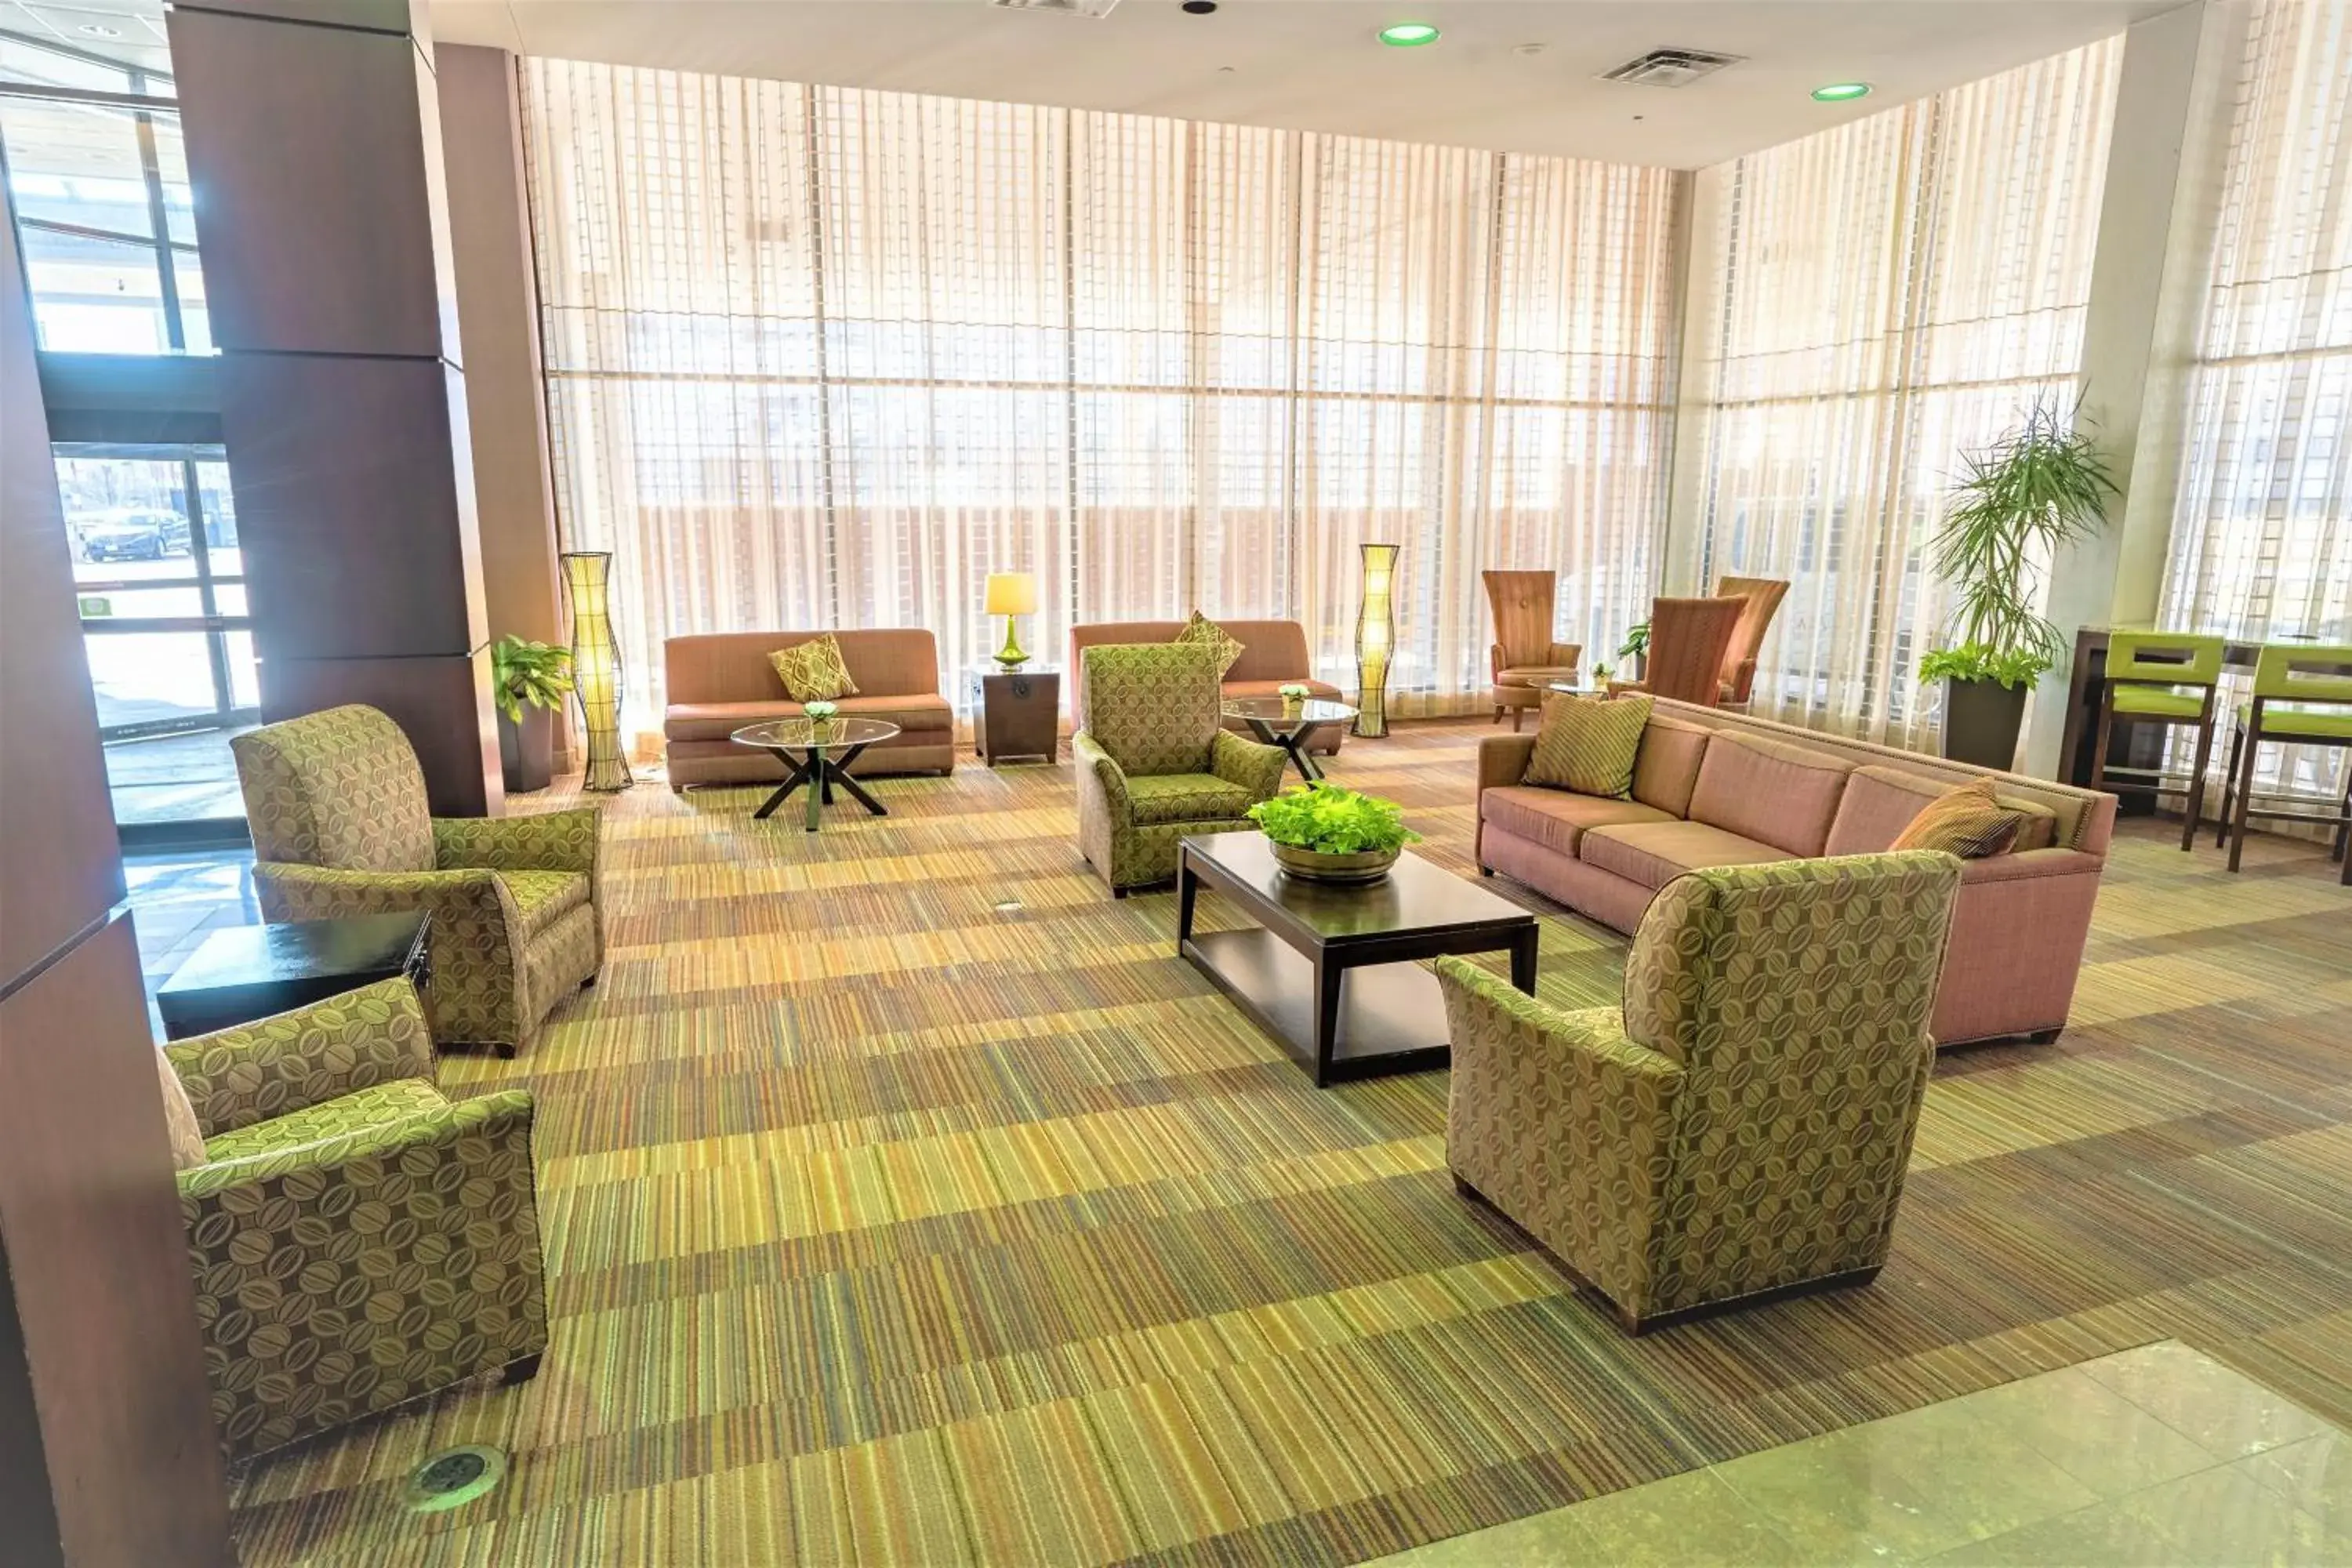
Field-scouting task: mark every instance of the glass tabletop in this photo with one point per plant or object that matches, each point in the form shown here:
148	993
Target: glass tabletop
804	734
1274	710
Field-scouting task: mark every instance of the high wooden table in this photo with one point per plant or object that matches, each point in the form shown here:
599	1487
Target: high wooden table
2141	746
1329	970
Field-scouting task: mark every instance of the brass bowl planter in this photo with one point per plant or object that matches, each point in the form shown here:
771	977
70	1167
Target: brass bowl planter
1352	869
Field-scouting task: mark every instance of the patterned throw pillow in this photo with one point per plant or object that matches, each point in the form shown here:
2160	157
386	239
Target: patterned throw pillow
1201	629
180	1119
814	671
1588	744
1965	821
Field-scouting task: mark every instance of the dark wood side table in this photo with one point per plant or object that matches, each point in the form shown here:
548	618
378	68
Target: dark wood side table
253	972
1328	970
1016	712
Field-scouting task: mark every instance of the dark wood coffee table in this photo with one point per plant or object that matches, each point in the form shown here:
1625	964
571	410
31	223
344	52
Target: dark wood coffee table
1328	970
255	972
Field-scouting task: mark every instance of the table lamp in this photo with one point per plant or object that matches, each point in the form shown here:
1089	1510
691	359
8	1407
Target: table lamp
1012	593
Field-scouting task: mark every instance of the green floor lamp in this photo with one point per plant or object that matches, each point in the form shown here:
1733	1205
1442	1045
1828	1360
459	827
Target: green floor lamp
596	665
1375	639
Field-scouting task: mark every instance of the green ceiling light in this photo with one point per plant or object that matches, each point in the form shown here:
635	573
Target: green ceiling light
1842	91
1408	34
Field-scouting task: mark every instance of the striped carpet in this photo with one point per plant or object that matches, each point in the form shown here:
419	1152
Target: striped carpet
906	1201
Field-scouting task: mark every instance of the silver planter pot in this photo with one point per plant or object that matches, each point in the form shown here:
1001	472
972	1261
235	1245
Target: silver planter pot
1314	866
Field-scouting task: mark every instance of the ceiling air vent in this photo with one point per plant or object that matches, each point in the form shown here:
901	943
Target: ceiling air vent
1066	7
1666	67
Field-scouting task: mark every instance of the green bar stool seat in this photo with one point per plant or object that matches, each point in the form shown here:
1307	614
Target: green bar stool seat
2302	697
2159	678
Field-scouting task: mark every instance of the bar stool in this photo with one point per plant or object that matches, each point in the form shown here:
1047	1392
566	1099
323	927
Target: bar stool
2302	697
2160	677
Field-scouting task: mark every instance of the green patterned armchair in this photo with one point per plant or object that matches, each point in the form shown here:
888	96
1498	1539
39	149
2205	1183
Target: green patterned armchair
1741	1128
1153	765
339	827
358	1240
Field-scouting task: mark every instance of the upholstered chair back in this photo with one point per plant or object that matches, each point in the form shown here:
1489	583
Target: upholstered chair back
1796	997
1687	641
1154	707
339	788
1763	596
1522	601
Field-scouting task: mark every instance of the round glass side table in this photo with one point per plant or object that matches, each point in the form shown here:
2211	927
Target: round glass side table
1278	723
819	754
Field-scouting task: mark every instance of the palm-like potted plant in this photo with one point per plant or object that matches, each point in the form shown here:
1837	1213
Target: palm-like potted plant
531	680
2042	487
1325	834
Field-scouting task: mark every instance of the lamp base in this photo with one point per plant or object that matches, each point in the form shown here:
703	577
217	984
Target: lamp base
1011	656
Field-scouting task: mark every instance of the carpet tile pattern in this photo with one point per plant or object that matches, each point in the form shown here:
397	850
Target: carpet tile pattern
906	1200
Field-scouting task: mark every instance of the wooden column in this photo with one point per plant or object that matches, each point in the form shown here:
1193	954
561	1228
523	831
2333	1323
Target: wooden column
108	1451
314	148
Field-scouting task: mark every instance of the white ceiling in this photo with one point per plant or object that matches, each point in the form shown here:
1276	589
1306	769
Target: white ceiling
1314	64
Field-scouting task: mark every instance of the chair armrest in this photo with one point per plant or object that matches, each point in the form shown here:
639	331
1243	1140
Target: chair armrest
470	900
1565	655
2026	865
1519	1018
1494	661
549	841
1503	760
1257	768
505	1116
275	1066
1101	770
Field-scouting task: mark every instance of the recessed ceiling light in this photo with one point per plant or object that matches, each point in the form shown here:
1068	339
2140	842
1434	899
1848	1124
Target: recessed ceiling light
99	30
1408	34
1841	92
1199	7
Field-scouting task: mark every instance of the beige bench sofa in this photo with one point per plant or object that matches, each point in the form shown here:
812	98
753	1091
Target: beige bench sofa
1714	788
722	681
1273	655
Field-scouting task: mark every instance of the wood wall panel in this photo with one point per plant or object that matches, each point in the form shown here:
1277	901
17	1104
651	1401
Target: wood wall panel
314	205
348	490
59	867
435	702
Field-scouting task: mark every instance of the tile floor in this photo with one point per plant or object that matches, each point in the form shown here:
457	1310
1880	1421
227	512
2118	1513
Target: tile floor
179	898
2155	1456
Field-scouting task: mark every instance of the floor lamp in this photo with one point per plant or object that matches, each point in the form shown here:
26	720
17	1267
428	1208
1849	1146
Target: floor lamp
1375	639
596	665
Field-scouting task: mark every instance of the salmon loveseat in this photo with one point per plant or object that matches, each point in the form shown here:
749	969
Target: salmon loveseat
1273	655
1714	788
722	681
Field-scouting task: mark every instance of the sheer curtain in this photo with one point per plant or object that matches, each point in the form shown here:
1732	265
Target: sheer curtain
2262	537
826	357
1874	300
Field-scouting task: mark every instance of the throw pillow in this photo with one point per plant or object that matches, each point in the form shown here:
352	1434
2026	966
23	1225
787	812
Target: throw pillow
1965	821
1201	629
814	671
1588	744
180	1119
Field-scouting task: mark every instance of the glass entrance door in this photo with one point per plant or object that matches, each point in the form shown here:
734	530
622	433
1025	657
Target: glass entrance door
159	574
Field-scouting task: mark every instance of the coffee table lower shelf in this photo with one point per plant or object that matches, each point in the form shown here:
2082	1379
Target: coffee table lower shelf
1388	1013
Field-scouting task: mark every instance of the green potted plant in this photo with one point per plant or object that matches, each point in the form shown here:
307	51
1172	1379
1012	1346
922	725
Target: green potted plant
2040	487
1636	647
1325	834
531	680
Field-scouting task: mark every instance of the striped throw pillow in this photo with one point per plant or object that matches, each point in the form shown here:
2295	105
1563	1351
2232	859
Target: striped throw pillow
1964	820
1201	629
1588	744
814	671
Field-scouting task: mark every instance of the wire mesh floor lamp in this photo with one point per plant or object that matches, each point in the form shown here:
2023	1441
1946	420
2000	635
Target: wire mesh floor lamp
596	665
1375	639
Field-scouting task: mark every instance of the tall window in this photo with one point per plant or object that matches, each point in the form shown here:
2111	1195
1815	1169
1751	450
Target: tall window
1879	298
2262	540
826	357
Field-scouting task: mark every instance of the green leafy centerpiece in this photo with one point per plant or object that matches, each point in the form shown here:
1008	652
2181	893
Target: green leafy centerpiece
1325	834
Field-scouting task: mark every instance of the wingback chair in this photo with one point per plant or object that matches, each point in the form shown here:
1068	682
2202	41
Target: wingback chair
1740	1128
1763	596
1523	657
339	827
1153	765
358	1240
1689	640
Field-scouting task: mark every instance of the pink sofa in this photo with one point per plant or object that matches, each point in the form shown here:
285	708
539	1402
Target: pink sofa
1714	788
